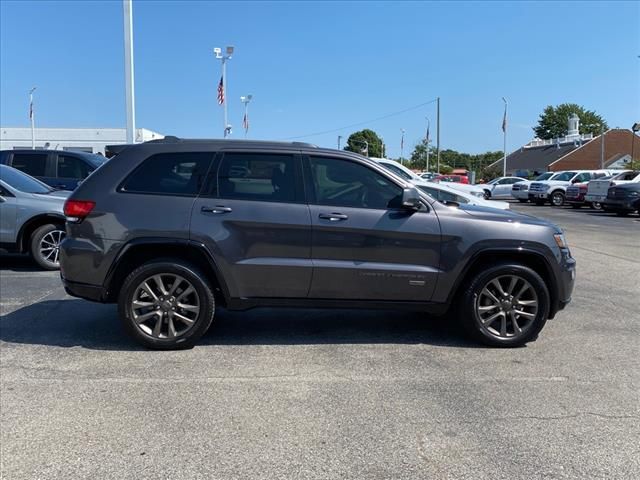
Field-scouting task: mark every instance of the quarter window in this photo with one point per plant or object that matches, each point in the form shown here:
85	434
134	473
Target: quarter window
31	164
349	184
170	174
258	176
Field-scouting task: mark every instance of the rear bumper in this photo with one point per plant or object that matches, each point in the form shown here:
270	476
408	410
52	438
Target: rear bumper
95	293
595	198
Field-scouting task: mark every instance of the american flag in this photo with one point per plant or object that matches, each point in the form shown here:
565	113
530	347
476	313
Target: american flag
504	120
427	137
245	123
220	92
30	110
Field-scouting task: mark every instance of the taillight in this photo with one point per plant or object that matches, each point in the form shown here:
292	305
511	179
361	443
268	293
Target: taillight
77	210
612	184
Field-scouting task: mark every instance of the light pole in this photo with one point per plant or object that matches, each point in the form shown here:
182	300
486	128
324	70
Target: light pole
33	130
222	88
504	146
402	146
339	138
128	71
245	119
366	146
427	140
634	129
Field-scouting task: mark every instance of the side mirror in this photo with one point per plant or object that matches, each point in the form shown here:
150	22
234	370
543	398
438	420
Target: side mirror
411	199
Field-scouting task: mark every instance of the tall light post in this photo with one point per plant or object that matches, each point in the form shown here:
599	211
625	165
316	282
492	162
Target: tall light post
127	9
402	146
245	119
32	119
634	130
366	146
222	87
339	139
504	146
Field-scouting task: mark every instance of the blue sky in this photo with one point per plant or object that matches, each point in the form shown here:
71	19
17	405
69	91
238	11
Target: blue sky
318	66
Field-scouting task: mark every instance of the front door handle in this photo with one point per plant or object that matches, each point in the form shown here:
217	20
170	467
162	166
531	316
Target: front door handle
216	209
334	217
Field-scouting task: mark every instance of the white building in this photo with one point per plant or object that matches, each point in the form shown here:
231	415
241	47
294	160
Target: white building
92	140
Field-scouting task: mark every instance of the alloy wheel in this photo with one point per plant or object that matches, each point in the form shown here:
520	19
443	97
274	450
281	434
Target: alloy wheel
507	306
50	246
557	199
165	306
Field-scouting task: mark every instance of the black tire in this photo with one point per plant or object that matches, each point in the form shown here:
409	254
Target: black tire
469	318
596	205
168	267
576	205
47	259
487	194
522	200
556	198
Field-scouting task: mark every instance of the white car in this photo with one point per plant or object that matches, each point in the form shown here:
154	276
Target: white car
597	189
554	190
520	190
445	194
500	187
405	173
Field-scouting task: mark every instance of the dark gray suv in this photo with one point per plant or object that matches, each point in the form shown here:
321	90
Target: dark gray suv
169	229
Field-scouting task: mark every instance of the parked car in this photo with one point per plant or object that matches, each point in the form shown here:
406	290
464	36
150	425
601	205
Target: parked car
452	178
31	217
447	195
407	174
597	189
554	190
333	229
520	190
623	199
60	169
500	187
428	175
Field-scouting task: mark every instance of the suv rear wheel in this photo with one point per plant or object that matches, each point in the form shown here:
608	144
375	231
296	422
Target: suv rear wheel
166	304
505	306
45	245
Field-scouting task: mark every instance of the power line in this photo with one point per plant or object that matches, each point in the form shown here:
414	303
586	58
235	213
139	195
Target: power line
415	107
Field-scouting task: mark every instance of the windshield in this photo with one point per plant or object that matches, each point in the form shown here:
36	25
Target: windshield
397	171
565	176
545	176
22	181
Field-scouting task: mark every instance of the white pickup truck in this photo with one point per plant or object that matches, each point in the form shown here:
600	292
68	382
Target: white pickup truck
597	189
554	191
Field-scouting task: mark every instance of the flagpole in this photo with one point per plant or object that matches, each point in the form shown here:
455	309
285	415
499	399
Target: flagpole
128	71
438	136
428	127
224	57
402	147
31	117
504	131
245	120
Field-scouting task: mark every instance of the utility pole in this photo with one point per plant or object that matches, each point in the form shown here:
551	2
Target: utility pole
339	138
427	141
504	131
402	147
32	119
227	56
438	136
128	70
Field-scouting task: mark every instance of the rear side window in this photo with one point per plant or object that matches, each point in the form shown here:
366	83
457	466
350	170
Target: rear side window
31	164
72	167
170	174
258	176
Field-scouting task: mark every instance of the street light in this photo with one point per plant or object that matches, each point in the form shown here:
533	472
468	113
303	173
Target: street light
245	119
504	131
634	129
366	146
222	95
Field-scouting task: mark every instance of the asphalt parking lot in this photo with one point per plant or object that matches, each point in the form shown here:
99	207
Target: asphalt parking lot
328	394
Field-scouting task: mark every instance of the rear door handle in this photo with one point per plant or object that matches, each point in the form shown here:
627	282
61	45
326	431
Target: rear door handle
216	209
334	217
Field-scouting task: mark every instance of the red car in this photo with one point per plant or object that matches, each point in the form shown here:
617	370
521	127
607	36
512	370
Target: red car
452	178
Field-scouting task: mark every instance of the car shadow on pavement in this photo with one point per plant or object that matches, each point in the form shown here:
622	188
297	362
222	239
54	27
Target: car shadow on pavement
18	263
73	322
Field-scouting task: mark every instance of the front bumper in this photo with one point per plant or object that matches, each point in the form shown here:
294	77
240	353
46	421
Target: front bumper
538	196
620	205
566	278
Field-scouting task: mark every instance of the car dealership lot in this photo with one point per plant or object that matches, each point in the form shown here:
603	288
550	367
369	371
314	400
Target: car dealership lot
328	394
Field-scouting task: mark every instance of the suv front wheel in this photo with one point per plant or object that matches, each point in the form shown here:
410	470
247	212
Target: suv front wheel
166	304
557	198
505	306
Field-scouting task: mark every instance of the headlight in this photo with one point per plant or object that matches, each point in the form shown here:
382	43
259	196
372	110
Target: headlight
633	194
560	240
546	187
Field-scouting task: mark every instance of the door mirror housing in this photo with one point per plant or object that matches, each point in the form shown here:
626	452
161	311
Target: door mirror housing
410	199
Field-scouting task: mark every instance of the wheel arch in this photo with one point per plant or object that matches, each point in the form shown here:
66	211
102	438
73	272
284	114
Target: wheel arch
30	226
140	251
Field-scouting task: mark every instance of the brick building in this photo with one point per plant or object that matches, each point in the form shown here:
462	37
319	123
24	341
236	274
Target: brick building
575	151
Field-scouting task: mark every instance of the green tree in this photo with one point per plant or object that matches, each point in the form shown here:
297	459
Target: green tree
356	143
553	121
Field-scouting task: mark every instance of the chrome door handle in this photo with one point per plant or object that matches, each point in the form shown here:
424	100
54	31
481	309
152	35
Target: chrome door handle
216	209
334	217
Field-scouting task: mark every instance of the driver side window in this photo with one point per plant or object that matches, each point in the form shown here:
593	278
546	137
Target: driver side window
349	184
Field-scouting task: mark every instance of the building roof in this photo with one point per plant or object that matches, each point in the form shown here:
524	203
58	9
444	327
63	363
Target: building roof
536	159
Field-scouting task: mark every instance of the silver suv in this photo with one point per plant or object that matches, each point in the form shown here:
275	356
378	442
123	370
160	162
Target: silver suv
170	229
31	217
